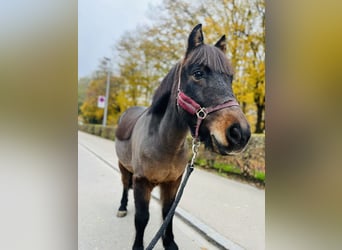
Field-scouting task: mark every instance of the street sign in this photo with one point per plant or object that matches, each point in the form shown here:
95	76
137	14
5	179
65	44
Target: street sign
101	101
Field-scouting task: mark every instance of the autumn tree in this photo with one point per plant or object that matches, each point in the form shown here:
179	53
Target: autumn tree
82	89
147	53
89	110
139	68
97	86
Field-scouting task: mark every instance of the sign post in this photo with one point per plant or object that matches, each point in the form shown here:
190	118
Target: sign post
104	122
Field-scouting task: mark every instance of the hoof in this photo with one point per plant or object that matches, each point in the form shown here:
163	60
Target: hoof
171	246
121	213
138	248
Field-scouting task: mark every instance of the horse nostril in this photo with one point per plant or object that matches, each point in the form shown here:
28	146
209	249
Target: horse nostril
238	137
234	134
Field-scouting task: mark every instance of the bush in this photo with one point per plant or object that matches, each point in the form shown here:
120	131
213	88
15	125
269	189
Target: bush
107	132
97	130
91	129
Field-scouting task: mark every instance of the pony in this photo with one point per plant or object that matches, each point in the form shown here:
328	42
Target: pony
196	95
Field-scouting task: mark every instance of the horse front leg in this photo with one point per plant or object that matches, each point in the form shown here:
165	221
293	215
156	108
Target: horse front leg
168	193
126	178
142	195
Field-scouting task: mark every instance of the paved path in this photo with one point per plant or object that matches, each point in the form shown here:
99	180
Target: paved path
226	211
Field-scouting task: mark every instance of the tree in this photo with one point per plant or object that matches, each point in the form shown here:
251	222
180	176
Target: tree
146	54
139	68
90	112
96	87
82	89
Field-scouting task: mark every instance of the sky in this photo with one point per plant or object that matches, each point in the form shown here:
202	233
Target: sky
101	23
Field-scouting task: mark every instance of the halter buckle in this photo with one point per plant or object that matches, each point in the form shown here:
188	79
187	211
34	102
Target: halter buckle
201	113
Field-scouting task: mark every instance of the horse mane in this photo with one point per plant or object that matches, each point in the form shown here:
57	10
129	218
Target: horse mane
162	95
211	57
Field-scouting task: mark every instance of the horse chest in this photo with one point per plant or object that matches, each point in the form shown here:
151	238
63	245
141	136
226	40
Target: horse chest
161	169
158	173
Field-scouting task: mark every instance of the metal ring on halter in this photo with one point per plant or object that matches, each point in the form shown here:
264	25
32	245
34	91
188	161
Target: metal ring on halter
201	113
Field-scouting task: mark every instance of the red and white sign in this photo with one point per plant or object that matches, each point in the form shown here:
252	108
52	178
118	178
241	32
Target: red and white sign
101	100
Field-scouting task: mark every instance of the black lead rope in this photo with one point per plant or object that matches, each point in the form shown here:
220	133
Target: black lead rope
189	169
161	230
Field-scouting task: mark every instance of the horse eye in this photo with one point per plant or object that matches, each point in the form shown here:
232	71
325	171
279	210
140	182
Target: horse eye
198	74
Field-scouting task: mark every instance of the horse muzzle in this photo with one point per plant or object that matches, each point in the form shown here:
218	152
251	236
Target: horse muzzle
229	131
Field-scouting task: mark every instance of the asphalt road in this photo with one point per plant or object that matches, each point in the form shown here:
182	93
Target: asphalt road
227	212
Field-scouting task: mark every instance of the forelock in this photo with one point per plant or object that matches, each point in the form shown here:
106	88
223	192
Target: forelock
211	57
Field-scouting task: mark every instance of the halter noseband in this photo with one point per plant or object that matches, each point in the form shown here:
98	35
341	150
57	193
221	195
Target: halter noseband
192	107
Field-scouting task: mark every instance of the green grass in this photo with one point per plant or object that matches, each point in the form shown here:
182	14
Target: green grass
221	167
201	162
259	175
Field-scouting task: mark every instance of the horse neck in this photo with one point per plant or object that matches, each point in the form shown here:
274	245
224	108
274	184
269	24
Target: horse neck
166	123
172	129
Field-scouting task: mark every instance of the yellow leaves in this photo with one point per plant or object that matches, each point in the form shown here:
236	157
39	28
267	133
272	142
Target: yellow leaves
99	113
89	110
90	113
249	98
122	100
242	94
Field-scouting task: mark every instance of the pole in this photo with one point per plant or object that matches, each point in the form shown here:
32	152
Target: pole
104	122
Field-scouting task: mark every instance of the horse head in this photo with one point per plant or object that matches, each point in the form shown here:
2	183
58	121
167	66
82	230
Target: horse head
205	85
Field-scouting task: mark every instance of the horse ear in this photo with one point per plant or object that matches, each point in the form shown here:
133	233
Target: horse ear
195	38
221	44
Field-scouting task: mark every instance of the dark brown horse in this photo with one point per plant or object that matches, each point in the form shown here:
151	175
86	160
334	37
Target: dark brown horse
151	142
